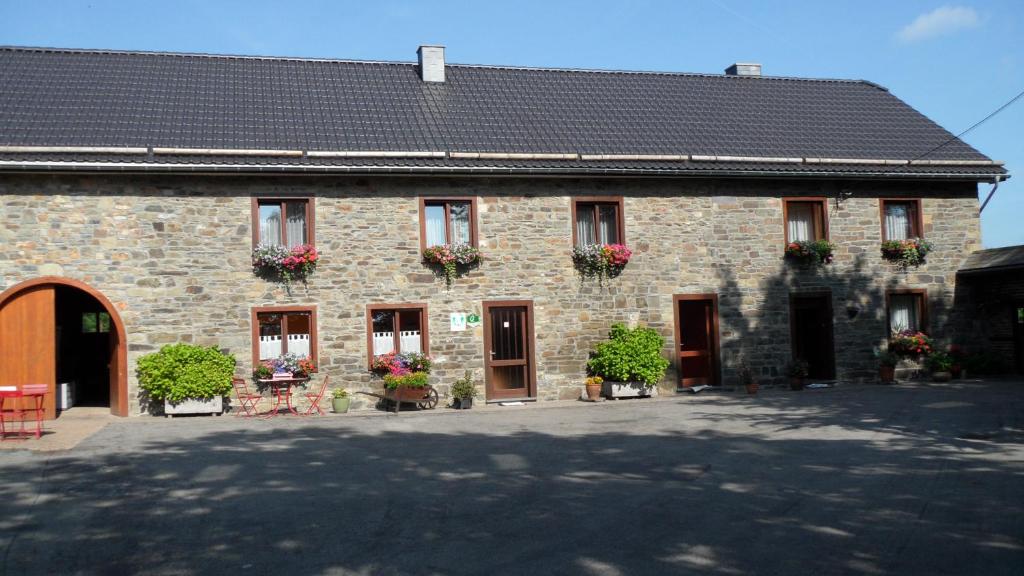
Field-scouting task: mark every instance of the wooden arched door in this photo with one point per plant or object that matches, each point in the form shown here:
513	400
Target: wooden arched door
28	340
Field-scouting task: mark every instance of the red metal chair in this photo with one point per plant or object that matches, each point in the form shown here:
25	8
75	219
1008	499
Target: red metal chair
35	393
314	398
247	401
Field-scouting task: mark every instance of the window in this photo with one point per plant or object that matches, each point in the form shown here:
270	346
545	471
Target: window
901	219
447	221
95	322
907	310
597	221
805	219
396	328
278	330
282	222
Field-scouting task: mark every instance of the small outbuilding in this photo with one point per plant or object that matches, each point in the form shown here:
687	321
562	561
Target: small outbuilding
992	284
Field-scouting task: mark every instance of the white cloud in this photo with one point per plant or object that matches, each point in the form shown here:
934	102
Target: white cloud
938	22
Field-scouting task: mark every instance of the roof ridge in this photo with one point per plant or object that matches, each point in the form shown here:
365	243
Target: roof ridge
12	48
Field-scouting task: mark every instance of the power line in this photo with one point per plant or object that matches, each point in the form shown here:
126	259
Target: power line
975	125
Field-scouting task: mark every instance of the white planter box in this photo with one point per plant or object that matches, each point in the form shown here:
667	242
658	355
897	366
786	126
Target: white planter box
65	395
212	406
627	390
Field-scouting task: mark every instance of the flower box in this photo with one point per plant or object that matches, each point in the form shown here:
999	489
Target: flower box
905	253
611	389
812	252
452	259
275	262
601	261
212	406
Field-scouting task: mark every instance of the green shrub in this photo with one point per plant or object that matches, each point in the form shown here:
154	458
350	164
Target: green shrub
939	362
463	387
182	371
630	355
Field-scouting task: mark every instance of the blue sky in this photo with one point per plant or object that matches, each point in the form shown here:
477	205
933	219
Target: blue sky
954	61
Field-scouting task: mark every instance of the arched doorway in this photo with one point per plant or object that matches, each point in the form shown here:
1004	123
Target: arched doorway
54	327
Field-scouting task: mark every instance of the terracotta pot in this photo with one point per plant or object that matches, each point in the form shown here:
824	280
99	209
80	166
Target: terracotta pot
887	374
752	388
796	383
594	392
956	370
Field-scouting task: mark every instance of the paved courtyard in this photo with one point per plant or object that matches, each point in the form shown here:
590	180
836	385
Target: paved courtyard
908	479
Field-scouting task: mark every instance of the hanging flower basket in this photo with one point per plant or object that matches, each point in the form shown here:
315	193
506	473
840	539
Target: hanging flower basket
452	260
601	261
904	253
275	262
810	252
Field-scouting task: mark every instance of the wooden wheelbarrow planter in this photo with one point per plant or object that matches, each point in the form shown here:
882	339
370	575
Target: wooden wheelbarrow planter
425	398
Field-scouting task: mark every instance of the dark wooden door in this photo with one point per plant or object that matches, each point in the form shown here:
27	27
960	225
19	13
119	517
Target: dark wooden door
28	342
697	339
811	333
508	350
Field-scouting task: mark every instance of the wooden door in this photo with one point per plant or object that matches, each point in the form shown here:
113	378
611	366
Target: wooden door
697	339
508	350
28	341
810	319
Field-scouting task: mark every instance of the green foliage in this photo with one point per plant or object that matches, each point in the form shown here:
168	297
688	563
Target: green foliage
182	371
463	387
888	358
630	355
339	393
939	362
413	380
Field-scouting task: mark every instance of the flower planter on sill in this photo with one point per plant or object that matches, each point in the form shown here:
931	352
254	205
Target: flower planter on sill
212	406
611	389
810	253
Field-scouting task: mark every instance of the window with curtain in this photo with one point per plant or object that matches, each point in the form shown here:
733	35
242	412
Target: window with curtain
284	222
805	220
900	220
905	312
397	330
598	223
283	332
448	222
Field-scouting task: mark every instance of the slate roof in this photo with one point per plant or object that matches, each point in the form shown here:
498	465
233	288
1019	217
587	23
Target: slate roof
77	98
994	260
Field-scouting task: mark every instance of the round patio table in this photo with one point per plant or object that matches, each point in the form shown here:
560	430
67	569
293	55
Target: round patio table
282	388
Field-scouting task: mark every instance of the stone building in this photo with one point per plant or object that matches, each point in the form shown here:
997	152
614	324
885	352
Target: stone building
134	187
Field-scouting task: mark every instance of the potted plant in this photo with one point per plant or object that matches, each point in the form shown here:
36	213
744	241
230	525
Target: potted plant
593	384
275	262
797	371
263	371
911	343
905	253
601	261
463	391
957	355
189	379
887	361
810	252
452	259
940	363
629	362
407	387
746	376
340	400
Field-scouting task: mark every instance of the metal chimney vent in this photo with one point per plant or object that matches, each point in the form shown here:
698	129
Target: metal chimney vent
431	63
744	69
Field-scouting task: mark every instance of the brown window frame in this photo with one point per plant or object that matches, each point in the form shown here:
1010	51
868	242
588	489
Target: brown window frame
922	307
313	340
424	326
310	216
823	206
916	222
620	214
446	200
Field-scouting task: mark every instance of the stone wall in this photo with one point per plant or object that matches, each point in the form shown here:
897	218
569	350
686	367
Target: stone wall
173	254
